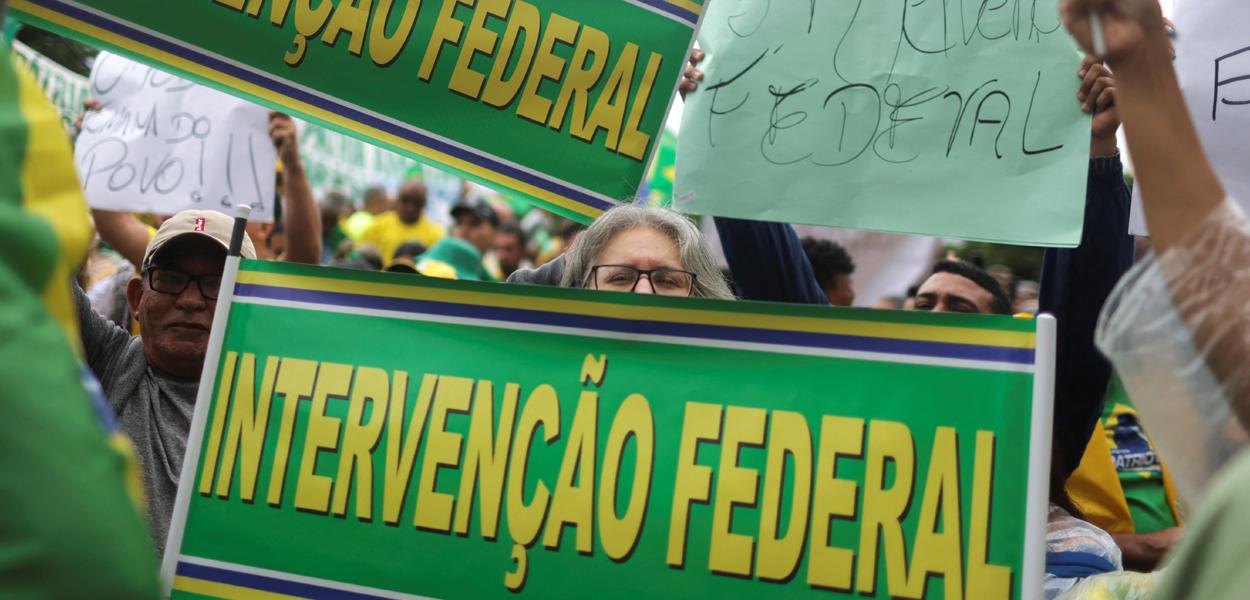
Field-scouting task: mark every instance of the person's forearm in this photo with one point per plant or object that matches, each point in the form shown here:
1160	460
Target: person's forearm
1143	551
1179	187
124	232
303	221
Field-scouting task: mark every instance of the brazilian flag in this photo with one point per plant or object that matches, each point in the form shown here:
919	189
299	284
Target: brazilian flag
68	526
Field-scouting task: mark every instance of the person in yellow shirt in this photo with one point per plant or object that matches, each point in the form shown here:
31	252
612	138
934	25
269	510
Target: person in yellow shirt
376	201
406	223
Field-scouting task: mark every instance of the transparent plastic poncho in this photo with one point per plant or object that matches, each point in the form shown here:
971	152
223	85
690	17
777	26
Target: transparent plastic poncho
1066	533
1177	329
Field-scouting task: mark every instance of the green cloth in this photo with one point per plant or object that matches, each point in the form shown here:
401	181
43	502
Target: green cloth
330	240
11	26
68	529
1210	562
453	258
1137	462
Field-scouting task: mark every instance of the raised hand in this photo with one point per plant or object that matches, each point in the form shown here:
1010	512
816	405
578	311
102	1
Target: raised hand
282	133
1097	97
1128	25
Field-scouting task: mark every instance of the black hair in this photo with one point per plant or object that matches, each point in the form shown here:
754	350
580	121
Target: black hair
410	249
363	257
999	304
1058	488
511	229
829	260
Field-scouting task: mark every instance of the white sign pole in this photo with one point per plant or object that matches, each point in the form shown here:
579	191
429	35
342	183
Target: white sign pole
1037	510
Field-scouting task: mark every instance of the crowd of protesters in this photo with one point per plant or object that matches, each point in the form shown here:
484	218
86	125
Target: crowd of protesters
141	308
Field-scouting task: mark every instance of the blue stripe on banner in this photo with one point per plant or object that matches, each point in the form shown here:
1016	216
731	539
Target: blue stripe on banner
269	584
676	11
1021	356
551	185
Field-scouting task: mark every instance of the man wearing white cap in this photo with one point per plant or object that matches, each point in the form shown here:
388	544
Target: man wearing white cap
151	380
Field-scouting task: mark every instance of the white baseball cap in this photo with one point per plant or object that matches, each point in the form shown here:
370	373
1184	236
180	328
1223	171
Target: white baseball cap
208	223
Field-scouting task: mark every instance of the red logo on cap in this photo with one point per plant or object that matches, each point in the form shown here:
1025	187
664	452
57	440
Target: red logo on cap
199	224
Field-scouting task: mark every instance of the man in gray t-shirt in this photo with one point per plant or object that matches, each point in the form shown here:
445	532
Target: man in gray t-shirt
151	381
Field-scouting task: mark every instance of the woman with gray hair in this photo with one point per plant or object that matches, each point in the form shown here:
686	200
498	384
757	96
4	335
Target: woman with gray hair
637	249
644	250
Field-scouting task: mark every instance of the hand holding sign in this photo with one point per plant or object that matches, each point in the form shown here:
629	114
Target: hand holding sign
1126	24
162	144
282	133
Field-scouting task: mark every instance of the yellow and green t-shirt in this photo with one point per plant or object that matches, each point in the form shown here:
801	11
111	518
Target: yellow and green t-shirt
1137	463
388	233
1122	484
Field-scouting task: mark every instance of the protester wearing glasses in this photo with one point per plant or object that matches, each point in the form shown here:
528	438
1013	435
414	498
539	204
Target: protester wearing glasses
644	250
151	381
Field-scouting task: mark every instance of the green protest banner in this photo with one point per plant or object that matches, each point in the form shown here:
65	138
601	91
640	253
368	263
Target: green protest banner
370	435
561	101
951	119
65	89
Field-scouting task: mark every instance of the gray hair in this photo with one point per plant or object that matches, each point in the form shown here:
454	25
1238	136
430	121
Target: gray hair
695	257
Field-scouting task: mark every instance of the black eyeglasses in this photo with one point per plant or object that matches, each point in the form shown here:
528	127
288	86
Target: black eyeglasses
174	282
624	278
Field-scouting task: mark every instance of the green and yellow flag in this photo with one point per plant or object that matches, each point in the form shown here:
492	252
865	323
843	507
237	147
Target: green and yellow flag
69	528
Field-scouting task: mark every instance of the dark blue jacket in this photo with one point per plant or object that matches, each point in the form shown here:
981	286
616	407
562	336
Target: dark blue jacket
767	262
1075	284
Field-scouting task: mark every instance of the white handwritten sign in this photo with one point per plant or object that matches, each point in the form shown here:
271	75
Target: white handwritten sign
162	144
1213	63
